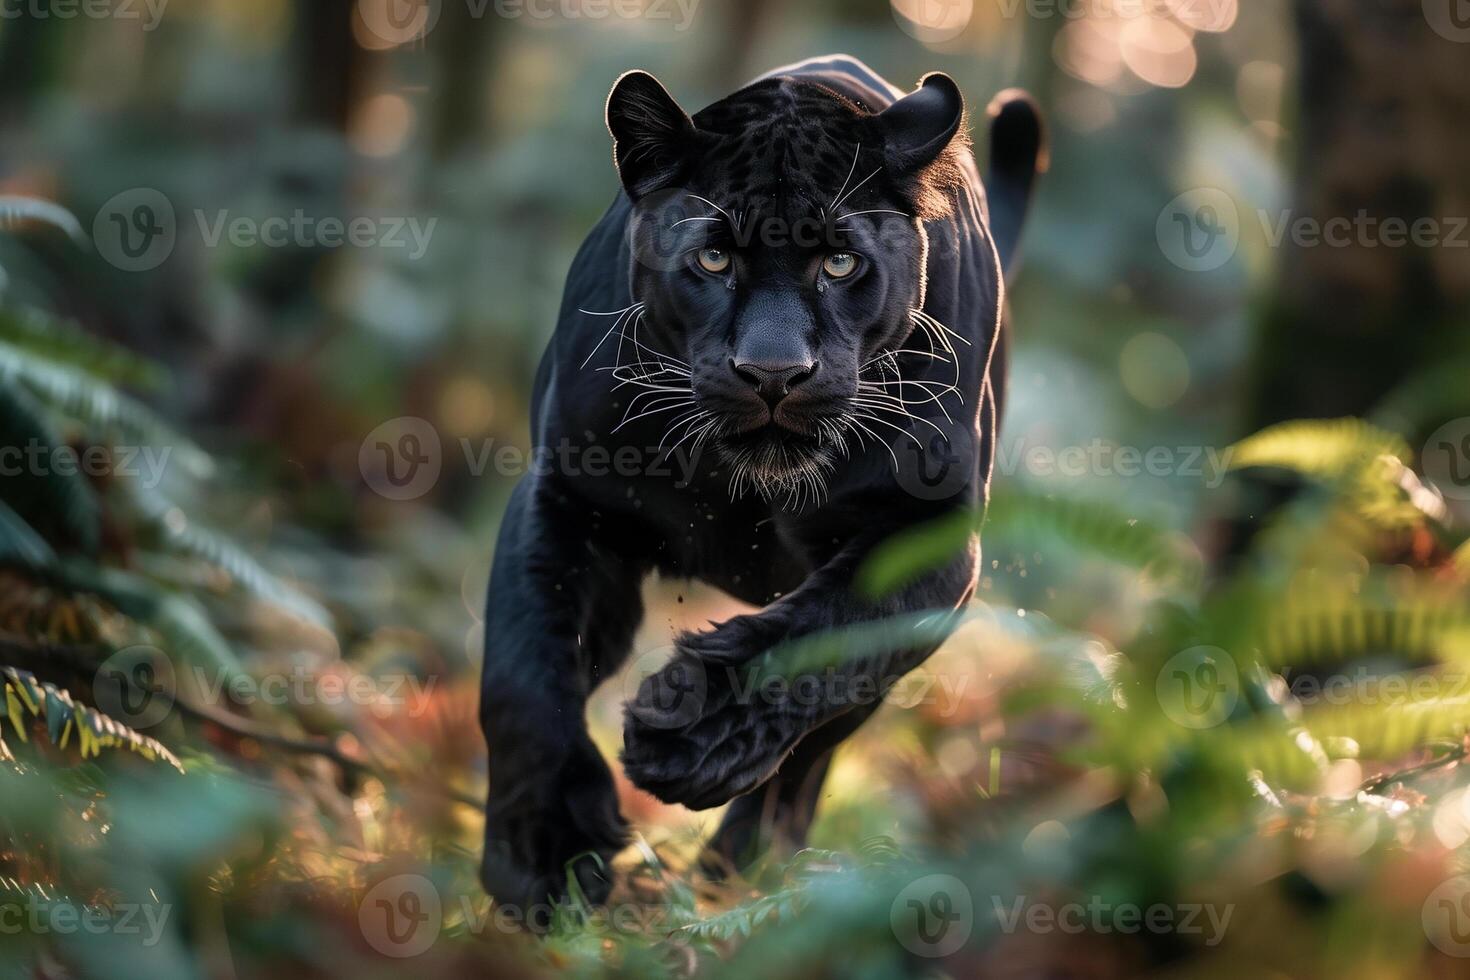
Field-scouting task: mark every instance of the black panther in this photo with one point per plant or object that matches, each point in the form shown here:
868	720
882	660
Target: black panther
800	292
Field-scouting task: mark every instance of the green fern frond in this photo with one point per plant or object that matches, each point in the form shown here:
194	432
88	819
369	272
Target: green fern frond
1328	629
26	699
878	851
19	543
185	537
1367	467
1388	730
1331	622
62	342
743	920
1460	560
184	629
1328	450
1089	526
1099	528
909	555
16	210
52	498
98	405
1283	758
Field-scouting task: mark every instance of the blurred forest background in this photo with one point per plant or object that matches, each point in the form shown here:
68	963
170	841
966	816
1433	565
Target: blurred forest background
1305	403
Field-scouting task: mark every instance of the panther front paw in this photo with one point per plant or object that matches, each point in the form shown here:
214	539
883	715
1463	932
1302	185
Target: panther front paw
738	640
701	733
561	827
528	882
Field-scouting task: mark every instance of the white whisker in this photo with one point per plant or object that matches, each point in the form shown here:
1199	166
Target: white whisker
850	171
837	203
869	417
902	412
854	420
620	314
854	214
652	411
926	317
712	204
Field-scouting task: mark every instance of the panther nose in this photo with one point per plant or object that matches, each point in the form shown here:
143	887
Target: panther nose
774	382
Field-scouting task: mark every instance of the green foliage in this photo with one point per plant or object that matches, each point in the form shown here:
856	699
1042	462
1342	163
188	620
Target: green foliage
35	332
19	543
183	627
1329	450
16	211
160	518
1363	463
741	922
1091	527
67	721
105	412
53	498
1069	771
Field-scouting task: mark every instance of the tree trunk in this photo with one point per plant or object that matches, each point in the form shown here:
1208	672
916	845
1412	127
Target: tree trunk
1383	133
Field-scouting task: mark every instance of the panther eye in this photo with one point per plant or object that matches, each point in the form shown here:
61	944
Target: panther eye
714	259
840	265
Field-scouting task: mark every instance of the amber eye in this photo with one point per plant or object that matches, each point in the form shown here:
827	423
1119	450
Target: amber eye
840	265
714	259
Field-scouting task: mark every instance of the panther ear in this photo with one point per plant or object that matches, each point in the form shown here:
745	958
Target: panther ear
920	125
652	136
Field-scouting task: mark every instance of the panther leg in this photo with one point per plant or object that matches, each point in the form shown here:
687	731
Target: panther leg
779	813
560	618
736	731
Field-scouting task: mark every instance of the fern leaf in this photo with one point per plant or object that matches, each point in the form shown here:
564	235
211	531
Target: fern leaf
29	699
97	404
742	920
1328	449
909	555
184	628
184	537
1098	528
1090	526
1304	628
19	543
1460	560
62	342
1367	467
51	497
15	210
1389	731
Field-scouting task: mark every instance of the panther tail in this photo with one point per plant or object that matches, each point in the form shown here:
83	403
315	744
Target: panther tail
1018	152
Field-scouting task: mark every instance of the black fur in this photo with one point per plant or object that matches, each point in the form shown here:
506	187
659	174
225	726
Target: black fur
785	499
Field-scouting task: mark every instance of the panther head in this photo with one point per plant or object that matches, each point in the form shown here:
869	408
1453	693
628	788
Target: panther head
778	258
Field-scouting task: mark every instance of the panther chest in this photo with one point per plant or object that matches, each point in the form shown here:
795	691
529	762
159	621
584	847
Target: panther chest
752	563
697	532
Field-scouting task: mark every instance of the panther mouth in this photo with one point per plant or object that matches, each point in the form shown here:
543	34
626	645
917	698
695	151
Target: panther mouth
777	462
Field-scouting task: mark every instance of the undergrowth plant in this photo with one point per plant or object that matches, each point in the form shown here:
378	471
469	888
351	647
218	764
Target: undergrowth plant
1186	754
